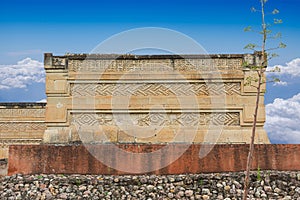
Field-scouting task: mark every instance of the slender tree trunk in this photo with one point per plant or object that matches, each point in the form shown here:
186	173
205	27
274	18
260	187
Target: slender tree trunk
260	73
251	148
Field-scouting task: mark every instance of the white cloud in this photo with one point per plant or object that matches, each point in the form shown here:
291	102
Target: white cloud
283	120
280	83
22	74
42	101
291	69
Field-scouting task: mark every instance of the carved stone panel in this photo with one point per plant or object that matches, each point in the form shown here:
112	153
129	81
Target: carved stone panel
19	127
169	91
156	65
155	89
10	113
158	119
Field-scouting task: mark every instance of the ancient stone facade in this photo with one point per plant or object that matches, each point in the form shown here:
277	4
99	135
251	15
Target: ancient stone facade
138	99
21	123
151	99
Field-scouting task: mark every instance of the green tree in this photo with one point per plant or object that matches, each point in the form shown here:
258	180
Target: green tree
259	79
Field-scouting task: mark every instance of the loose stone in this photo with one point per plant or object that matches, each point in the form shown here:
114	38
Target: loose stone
225	186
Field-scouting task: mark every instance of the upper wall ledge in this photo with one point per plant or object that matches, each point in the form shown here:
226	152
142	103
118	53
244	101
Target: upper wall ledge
16	105
139	57
61	62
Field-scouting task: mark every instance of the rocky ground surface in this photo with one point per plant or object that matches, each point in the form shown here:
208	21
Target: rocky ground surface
227	186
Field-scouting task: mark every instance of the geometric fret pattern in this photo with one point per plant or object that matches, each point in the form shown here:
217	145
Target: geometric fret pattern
22	126
154	89
19	112
158	119
152	65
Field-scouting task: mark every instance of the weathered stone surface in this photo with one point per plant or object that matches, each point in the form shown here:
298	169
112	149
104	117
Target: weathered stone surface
196	186
86	92
138	99
26	159
21	123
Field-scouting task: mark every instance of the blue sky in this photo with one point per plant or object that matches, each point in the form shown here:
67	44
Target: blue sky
30	28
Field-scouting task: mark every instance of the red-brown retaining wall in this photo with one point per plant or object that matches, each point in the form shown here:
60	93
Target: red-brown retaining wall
76	159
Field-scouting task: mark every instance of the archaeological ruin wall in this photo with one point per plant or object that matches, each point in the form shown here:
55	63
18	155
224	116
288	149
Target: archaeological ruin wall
151	99
21	123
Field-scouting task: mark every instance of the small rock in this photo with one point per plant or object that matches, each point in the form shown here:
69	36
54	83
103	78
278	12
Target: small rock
150	187
171	179
152	195
263	195
160	187
116	180
180	183
227	188
237	184
197	196
189	193
277	190
63	196
287	198
268	189
82	187
170	195
257	194
144	180
205	191
180	193
205	197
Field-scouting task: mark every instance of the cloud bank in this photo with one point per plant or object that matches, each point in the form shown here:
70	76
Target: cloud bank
287	72
283	120
24	73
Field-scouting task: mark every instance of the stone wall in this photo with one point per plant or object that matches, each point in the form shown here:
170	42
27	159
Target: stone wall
155	99
264	185
151	99
21	123
79	159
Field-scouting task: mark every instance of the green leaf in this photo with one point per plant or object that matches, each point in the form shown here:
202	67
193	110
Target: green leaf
282	45
250	46
248	28
245	64
278	21
253	9
278	35
273	55
276	69
268	31
275	11
276	80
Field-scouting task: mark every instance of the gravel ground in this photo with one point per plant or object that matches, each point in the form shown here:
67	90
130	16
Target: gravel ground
227	186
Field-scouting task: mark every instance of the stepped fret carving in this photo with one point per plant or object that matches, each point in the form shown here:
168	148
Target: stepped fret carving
208	64
158	119
120	65
155	89
157	65
22	112
22	126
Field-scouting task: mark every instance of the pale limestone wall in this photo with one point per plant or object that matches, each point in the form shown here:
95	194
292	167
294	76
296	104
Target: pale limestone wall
160	95
21	123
